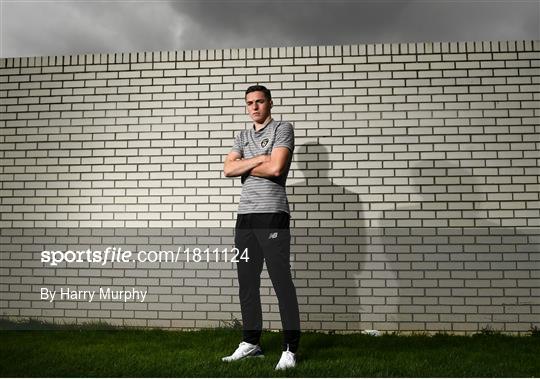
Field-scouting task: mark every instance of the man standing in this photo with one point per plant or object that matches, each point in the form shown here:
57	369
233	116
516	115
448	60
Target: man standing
262	157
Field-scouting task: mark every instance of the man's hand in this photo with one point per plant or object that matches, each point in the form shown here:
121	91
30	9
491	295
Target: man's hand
275	165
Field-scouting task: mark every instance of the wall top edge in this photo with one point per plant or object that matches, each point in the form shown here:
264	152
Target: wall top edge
276	53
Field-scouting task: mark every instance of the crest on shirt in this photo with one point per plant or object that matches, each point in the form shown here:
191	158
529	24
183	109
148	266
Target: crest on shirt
264	142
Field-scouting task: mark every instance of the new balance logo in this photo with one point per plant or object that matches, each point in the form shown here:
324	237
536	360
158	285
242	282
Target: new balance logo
272	236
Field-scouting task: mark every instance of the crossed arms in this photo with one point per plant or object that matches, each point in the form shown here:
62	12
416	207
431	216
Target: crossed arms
266	166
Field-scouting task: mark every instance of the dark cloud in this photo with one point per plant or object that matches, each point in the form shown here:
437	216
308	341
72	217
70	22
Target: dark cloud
474	20
280	23
44	27
286	23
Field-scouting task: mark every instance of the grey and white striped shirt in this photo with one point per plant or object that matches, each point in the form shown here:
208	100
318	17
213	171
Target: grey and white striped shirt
264	195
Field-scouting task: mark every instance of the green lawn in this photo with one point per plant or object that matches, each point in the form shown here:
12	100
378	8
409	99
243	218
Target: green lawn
96	352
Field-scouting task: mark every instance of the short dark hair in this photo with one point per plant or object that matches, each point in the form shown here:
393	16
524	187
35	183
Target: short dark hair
260	88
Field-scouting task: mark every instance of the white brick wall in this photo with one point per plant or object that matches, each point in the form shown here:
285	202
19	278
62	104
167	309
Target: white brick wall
414	186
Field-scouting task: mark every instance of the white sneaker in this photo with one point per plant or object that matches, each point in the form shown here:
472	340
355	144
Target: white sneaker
244	350
287	360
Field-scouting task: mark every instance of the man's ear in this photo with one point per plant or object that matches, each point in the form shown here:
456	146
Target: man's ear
271	103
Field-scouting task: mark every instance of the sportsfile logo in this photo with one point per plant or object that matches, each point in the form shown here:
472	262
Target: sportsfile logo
272	235
112	254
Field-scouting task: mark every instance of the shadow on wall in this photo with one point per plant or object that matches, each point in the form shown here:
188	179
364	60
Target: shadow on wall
329	244
436	262
457	268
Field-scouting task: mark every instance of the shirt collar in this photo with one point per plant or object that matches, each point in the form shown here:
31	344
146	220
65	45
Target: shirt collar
270	119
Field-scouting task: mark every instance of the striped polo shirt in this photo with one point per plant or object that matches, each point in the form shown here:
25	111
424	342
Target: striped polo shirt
264	195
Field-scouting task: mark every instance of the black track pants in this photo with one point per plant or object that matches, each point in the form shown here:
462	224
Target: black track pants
267	238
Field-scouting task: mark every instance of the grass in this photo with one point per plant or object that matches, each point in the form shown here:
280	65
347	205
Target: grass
95	352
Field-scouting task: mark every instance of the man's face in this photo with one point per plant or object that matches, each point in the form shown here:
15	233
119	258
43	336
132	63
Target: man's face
258	106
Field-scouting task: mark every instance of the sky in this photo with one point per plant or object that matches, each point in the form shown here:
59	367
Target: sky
69	27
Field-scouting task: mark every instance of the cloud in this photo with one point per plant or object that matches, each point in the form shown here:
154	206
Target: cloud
474	20
285	23
44	27
52	28
281	23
